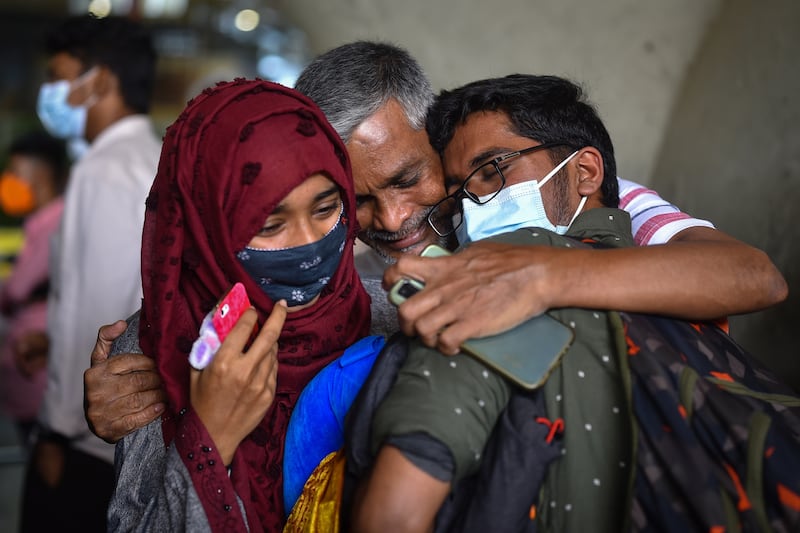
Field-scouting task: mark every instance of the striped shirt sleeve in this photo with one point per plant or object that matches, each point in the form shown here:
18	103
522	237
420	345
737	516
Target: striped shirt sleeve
653	219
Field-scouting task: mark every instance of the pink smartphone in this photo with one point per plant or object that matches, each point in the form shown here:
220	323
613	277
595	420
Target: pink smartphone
217	324
229	309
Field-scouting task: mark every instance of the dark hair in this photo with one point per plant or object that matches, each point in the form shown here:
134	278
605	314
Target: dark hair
47	149
547	109
119	44
352	81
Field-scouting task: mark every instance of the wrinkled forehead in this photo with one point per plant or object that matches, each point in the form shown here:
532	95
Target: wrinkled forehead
385	148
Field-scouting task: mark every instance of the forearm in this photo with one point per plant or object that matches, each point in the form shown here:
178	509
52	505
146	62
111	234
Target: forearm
690	279
490	287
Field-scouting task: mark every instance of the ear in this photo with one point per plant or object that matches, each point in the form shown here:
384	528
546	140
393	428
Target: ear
589	163
104	82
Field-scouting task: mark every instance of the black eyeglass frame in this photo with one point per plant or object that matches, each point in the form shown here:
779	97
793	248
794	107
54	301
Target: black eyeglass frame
462	191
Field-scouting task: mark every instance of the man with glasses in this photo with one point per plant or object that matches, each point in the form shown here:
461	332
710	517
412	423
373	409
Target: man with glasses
483	185
526	155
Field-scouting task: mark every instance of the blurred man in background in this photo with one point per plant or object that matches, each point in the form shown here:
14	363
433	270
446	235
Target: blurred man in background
101	74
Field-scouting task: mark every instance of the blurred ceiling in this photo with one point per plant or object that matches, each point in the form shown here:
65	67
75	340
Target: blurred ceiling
192	28
199	42
61	7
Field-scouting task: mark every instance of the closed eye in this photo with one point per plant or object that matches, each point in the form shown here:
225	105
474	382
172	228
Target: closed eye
362	199
328	208
407	181
270	228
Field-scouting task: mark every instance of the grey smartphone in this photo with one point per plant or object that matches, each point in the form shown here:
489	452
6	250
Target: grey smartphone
525	354
407	287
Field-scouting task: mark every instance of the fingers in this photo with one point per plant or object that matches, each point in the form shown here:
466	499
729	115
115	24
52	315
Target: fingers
264	378
129	363
132	381
252	368
231	395
435	307
194	378
105	337
120	376
410	266
125	415
237	338
271	330
265	350
117	403
420	314
450	339
130	423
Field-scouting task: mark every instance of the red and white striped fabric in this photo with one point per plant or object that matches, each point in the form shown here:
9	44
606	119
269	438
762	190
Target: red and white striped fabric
653	219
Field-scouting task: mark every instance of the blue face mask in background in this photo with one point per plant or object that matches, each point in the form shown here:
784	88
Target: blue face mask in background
58	117
517	206
296	274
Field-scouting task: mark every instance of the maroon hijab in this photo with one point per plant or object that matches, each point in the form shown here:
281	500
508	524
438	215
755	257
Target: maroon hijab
234	153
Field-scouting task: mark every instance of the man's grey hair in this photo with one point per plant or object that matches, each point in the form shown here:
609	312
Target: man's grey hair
351	82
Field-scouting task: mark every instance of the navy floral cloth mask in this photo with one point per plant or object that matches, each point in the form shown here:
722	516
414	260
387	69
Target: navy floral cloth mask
296	274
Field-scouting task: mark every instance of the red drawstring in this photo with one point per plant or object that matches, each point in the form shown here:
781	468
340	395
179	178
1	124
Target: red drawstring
556	426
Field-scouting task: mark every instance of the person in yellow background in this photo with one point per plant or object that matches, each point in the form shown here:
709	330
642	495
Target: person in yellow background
31	186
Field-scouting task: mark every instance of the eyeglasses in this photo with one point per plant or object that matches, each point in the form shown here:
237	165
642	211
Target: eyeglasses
481	186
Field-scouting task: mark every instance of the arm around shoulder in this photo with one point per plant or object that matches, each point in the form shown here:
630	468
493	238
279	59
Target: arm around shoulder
743	271
700	274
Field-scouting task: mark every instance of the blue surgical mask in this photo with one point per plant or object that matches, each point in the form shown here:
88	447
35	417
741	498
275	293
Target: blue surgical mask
297	274
58	117
514	207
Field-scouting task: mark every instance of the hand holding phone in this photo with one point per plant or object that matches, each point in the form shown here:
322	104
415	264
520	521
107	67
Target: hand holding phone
217	324
405	288
525	354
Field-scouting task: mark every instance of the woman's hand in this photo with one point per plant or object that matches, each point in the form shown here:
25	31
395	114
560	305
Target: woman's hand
232	394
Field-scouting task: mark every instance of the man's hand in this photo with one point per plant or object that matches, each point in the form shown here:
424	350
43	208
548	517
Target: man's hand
483	290
123	393
232	394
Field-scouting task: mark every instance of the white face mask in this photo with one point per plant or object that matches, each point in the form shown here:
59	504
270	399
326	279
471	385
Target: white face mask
58	117
514	207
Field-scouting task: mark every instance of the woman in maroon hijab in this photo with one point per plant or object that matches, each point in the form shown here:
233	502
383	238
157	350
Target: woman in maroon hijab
253	186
